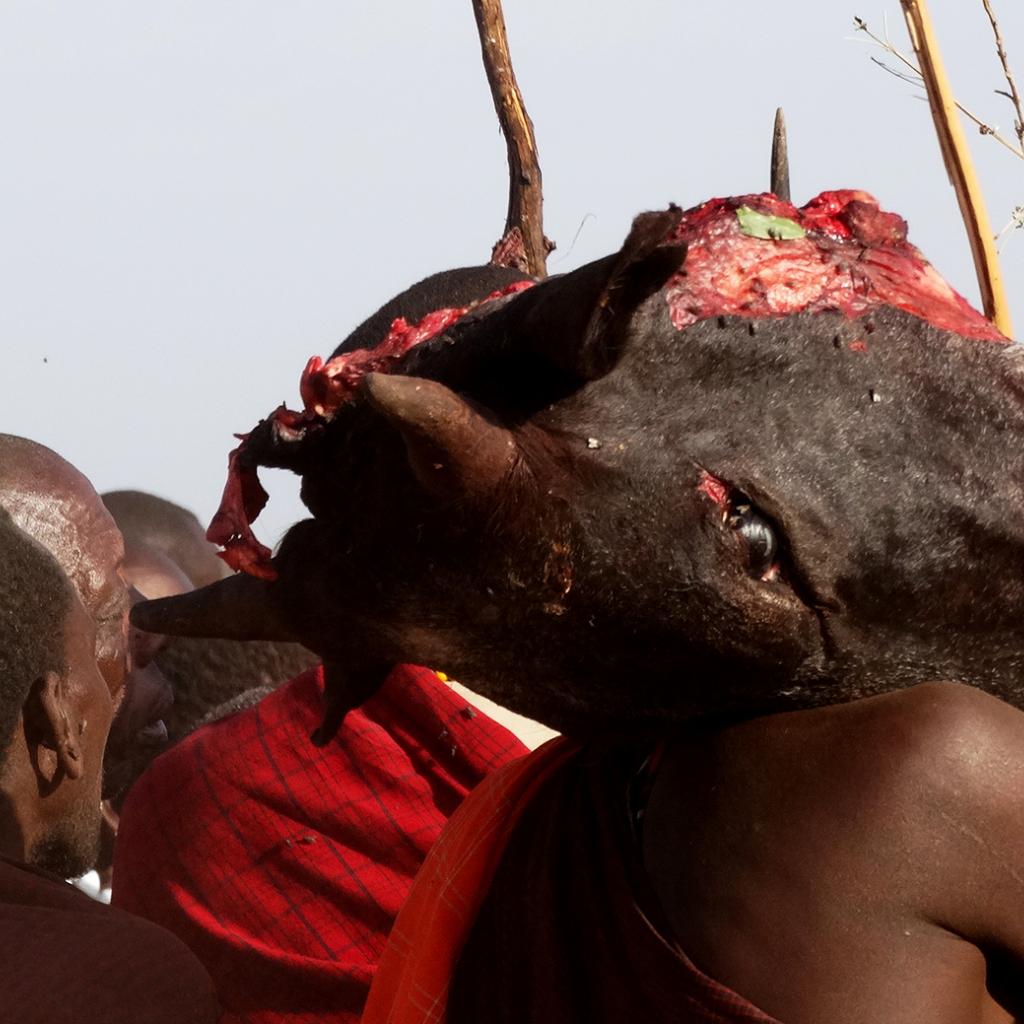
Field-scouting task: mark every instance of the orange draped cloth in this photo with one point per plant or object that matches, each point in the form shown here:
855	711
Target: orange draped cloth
534	905
411	984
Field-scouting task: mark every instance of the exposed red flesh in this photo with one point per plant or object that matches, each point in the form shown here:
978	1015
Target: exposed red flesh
510	251
713	488
242	501
853	259
324	388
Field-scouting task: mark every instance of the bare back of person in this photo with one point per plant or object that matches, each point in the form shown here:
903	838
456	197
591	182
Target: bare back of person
852	864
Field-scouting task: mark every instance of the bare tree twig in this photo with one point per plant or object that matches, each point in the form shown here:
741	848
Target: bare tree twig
525	194
913	77
1008	74
903	76
959	164
1015	223
983	127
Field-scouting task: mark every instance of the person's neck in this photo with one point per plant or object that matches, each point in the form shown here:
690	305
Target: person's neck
16	832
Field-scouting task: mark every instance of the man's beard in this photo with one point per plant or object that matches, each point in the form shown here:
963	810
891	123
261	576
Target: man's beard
71	847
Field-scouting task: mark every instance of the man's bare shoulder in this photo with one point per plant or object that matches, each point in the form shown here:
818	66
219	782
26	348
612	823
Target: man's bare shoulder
959	783
852	850
941	740
927	778
937	725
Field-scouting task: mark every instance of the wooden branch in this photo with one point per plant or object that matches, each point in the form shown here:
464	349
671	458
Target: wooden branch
1007	73
959	165
525	192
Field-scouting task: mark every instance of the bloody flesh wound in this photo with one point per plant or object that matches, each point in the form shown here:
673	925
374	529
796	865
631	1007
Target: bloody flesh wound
840	252
714	489
324	388
853	258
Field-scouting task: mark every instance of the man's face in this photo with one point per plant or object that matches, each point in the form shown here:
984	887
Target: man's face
139	732
68	845
105	594
110	605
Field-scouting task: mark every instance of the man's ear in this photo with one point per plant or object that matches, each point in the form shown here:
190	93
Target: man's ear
48	728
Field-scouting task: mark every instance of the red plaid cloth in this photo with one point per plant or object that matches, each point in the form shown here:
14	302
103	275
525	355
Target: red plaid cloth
282	865
534	906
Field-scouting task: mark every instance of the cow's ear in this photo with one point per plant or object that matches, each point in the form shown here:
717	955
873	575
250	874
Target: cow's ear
454	449
581	321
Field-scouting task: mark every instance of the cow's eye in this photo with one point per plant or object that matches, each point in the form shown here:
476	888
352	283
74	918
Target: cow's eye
760	544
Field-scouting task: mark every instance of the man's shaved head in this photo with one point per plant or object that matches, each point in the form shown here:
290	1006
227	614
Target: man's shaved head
57	506
163	526
50	766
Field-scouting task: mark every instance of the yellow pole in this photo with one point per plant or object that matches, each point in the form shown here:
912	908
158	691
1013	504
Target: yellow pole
959	164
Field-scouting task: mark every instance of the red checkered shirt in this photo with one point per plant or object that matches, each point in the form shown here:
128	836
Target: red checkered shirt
282	865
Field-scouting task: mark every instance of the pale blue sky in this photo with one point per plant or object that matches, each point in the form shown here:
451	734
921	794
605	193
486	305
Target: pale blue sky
197	196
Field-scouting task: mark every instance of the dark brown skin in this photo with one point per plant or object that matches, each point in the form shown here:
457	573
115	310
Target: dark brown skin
82	961
147	521
852	864
52	774
56	505
139	733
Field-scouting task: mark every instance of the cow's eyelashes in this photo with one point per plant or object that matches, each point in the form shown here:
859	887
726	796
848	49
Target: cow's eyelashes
759	539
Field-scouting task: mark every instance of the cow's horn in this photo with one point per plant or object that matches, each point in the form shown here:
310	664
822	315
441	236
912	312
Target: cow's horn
454	449
240	607
780	158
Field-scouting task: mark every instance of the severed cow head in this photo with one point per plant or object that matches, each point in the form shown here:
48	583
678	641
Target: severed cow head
760	458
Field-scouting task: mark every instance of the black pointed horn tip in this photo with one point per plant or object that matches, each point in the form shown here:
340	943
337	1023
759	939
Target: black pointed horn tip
780	158
334	718
237	608
166	615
